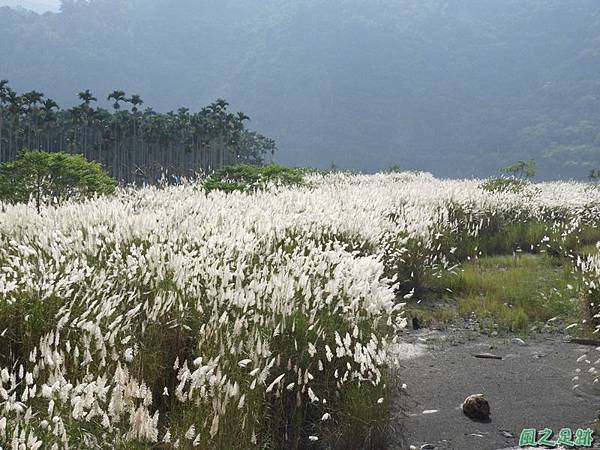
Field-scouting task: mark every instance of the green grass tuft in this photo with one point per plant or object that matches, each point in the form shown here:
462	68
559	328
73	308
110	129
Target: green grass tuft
517	291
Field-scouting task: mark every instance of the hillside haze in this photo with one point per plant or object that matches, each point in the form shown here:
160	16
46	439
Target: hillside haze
40	6
458	88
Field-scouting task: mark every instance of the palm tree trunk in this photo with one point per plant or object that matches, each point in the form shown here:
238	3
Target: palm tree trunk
222	152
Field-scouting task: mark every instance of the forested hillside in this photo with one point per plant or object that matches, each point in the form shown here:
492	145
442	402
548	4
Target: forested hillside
457	87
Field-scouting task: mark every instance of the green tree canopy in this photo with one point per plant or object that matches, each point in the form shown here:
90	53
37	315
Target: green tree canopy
52	177
521	169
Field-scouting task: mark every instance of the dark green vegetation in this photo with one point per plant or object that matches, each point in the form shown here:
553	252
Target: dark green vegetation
246	177
517	180
503	184
514	292
52	178
135	145
508	293
456	88
521	169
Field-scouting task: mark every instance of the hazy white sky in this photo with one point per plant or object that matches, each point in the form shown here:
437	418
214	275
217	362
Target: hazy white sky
35	5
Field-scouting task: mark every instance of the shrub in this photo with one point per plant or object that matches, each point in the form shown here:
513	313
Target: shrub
395	168
52	177
245	177
521	169
503	184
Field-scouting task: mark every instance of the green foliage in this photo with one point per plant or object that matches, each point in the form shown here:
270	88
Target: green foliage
514	291
497	234
521	169
253	147
52	177
361	422
23	323
395	168
589	249
512	237
591	303
245	177
411	263
431	316
314	170
364	424
502	184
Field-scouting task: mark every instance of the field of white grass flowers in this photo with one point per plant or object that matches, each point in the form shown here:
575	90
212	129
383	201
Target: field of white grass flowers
169	318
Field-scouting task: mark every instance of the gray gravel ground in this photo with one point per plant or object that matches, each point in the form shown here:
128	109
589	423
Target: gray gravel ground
530	387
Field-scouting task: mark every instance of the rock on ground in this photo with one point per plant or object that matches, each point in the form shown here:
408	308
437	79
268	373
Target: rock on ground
531	387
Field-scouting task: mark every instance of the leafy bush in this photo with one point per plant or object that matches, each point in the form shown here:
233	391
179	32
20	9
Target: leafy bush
52	177
521	169
395	168
503	184
245	177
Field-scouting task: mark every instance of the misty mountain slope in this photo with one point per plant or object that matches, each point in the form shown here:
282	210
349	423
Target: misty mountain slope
39	6
455	87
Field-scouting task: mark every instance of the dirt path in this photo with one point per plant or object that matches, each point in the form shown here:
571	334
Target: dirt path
530	387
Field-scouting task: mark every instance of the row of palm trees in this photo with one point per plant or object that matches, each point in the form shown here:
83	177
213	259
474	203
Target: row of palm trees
134	145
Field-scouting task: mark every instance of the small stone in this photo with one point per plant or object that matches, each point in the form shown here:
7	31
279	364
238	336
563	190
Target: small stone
476	407
506	434
518	341
413	447
427	447
494	333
